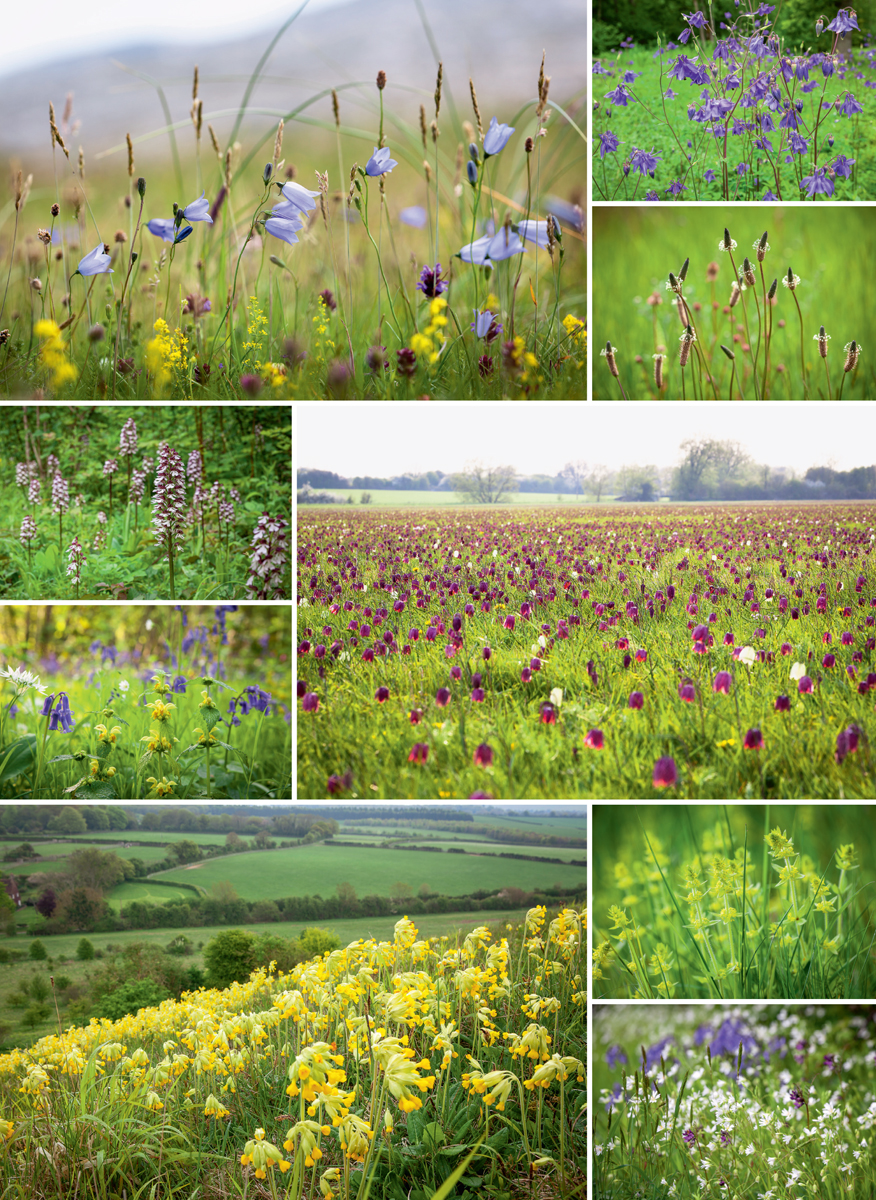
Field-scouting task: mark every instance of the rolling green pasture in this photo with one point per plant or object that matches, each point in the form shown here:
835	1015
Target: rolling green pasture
473	847
154	835
63	946
60	852
317	869
143	890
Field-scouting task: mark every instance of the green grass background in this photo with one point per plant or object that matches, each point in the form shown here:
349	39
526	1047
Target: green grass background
635	248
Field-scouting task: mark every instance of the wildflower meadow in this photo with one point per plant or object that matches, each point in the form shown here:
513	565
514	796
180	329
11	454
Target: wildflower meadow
732	106
761	1101
140	503
409	1068
735	902
696	651
724	304
187	703
428	255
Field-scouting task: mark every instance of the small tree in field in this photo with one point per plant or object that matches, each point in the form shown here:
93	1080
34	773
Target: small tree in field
479	484
230	957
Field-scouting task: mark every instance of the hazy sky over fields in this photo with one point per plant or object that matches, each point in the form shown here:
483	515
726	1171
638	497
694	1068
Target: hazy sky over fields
389	439
60	30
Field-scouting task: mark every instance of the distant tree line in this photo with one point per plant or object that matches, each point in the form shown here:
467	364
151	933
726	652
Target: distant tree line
79	820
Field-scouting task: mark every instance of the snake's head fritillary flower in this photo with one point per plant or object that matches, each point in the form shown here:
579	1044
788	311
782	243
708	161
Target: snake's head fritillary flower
419	753
688	693
380	162
548	713
722	682
783	703
310	702
442	697
496	138
753	740
595	739
637	700
665	773
96	263
805	686
483	755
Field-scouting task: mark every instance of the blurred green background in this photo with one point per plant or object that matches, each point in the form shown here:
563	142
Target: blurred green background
635	248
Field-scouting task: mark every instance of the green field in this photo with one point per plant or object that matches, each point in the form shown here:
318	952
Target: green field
63	946
143	890
317	869
53	855
392	498
154	835
475	847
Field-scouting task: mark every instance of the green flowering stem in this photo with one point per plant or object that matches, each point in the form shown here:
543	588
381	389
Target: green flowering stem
41	754
132	258
802	353
252	226
364	213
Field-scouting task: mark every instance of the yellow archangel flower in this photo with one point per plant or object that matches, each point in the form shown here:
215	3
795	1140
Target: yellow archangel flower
107	735
160	710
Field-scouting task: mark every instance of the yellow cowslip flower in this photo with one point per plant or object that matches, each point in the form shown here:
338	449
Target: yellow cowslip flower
535	918
556	1067
354	1134
154	1102
312	1076
332	1175
491	1086
212	1108
401	1076
305	1134
262	1155
7	1129
532	1043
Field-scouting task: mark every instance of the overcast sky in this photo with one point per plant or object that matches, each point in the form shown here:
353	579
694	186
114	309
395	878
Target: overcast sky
391	439
57	29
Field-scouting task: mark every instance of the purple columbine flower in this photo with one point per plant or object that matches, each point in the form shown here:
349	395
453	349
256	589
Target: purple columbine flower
431	282
710	176
198	210
842	166
496	137
844	21
380	163
818	183
665	772
619	96
849	105
643	161
608	143
96	263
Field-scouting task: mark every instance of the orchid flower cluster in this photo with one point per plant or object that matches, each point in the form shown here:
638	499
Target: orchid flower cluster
741	118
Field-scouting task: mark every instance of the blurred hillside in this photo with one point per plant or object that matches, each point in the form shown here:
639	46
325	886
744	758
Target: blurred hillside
498	42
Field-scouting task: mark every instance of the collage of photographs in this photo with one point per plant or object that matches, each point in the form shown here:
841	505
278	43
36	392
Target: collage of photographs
556	877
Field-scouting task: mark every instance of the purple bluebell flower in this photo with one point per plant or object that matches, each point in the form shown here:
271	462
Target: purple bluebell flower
162	227
496	137
198	210
614	1055
283	228
179	685
61	715
415	216
380	162
298	196
96	263
46	710
534	231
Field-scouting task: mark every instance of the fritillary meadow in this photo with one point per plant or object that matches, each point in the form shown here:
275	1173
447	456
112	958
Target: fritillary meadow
404	1069
755	1101
708	652
735	109
131	503
425	256
118	705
